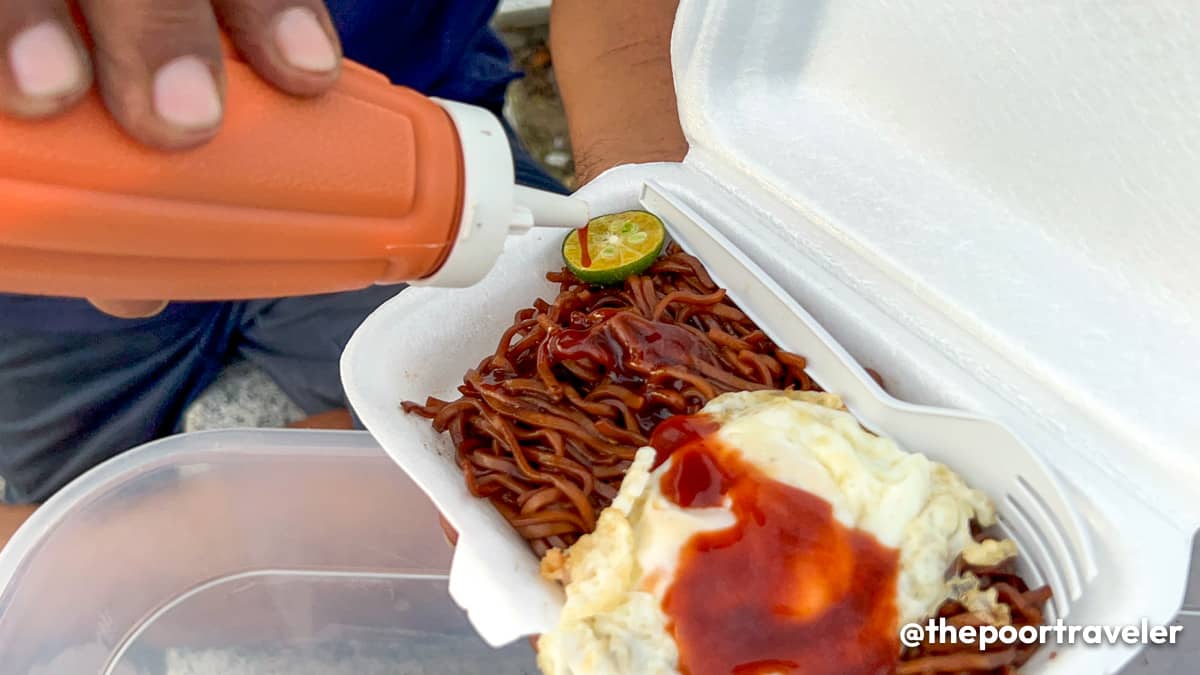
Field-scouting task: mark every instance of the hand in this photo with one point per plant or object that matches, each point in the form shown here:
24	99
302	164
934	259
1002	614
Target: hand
448	530
158	64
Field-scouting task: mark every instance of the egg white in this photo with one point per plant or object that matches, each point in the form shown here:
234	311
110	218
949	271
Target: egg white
616	577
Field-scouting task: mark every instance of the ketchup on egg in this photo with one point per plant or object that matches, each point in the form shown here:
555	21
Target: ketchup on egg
787	588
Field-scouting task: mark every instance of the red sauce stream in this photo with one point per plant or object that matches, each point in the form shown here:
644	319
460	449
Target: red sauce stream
585	256
787	588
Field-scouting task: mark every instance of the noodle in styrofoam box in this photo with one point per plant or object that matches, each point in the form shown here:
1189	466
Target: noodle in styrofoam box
508	453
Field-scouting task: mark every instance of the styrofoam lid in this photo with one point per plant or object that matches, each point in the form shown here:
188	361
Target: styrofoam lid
1027	169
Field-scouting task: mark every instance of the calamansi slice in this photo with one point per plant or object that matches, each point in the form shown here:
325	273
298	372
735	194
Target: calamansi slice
619	245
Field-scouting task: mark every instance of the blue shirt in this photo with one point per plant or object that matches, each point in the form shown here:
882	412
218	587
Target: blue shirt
439	47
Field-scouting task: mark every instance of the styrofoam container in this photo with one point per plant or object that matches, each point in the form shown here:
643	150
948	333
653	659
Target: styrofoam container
988	203
238	552
494	576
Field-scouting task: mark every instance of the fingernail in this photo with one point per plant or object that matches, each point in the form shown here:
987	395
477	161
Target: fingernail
185	94
303	42
45	62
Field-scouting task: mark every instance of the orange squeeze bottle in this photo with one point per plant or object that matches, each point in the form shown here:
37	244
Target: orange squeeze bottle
371	183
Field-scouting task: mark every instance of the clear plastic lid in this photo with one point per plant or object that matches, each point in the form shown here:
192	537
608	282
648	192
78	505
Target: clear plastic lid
239	552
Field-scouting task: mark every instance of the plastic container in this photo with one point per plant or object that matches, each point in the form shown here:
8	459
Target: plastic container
957	196
238	552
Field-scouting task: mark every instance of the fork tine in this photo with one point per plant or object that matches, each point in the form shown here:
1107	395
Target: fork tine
1037	553
1043	517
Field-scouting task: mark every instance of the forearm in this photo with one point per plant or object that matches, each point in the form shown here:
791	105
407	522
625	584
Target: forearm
613	64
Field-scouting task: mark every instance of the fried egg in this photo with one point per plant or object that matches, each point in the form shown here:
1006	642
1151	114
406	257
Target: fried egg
616	578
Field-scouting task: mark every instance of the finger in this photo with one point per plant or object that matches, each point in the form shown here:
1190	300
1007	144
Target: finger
291	43
129	309
159	67
43	65
448	530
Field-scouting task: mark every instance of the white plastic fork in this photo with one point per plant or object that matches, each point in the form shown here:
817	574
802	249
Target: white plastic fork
1031	504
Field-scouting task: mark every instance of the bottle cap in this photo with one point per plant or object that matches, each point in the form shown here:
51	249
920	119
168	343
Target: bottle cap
493	205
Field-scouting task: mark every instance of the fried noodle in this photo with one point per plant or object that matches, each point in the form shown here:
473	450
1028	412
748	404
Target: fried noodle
546	426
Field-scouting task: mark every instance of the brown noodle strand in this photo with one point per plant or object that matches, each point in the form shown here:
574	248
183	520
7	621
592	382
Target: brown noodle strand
628	436
580	371
607	491
963	661
674	401
724	339
502	481
587	479
1017	600
685	297
535	500
627	416
543	530
649	295
616	391
551	437
596	409
680	374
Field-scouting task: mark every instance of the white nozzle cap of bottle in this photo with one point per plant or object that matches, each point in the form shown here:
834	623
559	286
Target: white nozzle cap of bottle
493	205
549	209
